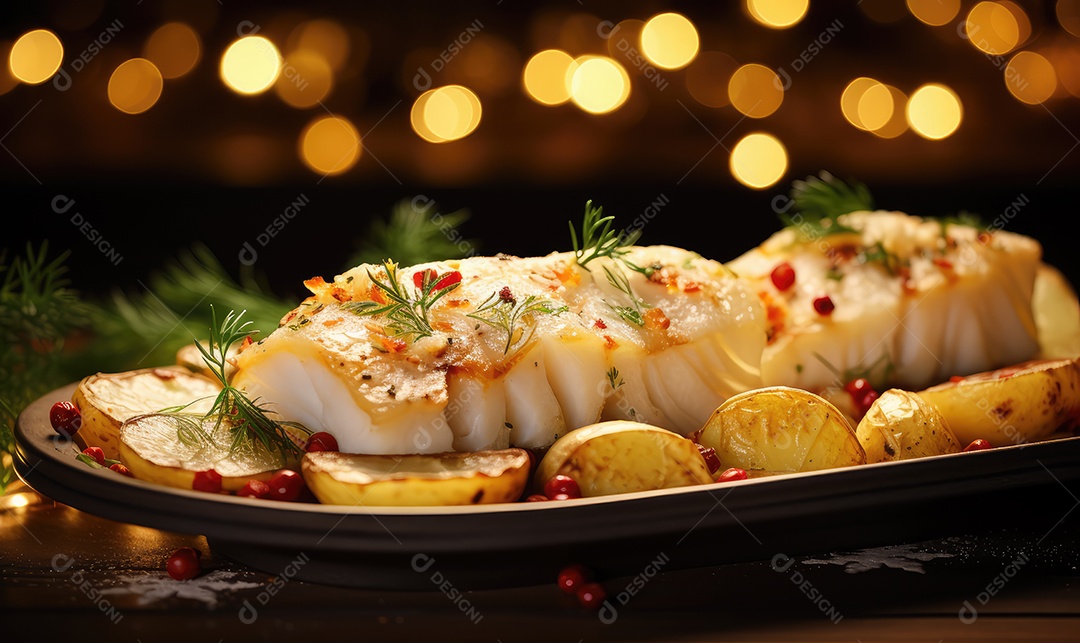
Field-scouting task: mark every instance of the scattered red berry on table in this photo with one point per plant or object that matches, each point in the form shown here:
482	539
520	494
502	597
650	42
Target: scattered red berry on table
591	595
286	485
321	441
121	469
862	393
65	418
731	475
96	453
783	276
824	306
711	459
562	487
209	481
254	489
978	445
573	577
537	497
183	563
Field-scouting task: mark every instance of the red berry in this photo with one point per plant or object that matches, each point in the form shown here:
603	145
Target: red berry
121	469
537	497
65	418
321	441
286	485
254	489
562	487
824	306
783	276
449	279
419	278
572	577
711	460
96	453
978	445
862	393
731	475
209	481
591	595
183	563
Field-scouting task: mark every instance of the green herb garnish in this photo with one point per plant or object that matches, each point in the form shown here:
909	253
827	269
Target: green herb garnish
598	239
503	311
405	309
614	378
827	197
634	312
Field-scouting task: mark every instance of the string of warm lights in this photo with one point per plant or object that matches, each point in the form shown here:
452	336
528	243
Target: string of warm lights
304	69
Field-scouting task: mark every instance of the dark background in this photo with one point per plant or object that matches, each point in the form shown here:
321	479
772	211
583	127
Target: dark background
152	184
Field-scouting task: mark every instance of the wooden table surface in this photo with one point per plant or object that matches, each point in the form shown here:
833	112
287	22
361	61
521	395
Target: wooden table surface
65	572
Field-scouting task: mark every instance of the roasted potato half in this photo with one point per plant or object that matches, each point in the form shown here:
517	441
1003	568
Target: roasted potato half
1057	314
620	456
900	425
106	400
779	429
1014	405
479	477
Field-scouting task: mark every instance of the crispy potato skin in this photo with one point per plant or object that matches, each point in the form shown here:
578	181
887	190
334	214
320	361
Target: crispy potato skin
621	456
781	429
1015	405
900	425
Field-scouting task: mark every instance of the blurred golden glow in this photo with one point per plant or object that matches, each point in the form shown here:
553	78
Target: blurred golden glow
624	36
707	78
991	27
755	90
174	49
1066	60
327	38
852	96
36	56
875	107
897	123
1030	78
489	64
934	111
251	65
305	80
669	40
777	14
598	84
135	86
883	11
758	160
934	12
7	81
330	145
547	77
445	114
1023	23
1068	14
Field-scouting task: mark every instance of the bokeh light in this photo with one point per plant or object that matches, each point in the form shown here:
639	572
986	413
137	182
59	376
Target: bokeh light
1030	77
875	107
251	65
755	90
1068	15
758	160
1023	22
36	56
174	48
992	28
669	40
547	77
777	14
708	76
445	114
305	80
326	38
624	37
135	86
7	80
934	12
330	145
897	123
934	111
598	84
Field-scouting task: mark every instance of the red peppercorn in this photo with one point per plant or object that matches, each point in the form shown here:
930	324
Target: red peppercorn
506	295
978	445
591	595
783	276
286	485
419	278
122	470
599	323
321	441
572	577
65	418
96	453
536	497
562	487
862	393
209	481
711	459
824	305
731	475
183	563
254	489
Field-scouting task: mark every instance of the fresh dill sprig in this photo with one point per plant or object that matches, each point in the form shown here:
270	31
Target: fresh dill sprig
503	311
416	232
614	378
827	197
407	312
598	239
633	313
878	373
245	418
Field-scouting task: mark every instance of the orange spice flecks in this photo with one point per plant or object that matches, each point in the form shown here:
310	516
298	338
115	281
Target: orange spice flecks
566	274
444	326
610	343
329	323
775	314
316	284
656	319
690	286
376	294
340	294
391	344
456	303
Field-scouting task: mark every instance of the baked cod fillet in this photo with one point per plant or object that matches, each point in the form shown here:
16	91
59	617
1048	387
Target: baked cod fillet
915	301
512	351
